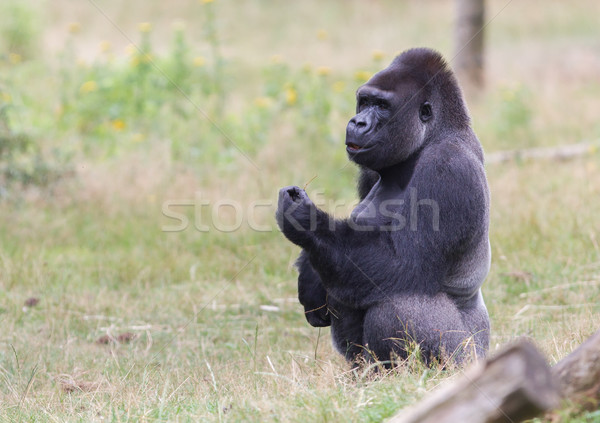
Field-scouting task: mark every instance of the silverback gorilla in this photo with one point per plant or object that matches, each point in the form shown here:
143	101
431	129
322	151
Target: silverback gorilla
406	267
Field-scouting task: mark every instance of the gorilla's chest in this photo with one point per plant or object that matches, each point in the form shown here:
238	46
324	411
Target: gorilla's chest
381	206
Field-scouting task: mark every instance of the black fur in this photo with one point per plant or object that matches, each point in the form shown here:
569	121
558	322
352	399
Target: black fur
408	264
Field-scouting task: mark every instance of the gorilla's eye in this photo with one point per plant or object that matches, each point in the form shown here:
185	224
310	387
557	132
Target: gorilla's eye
382	104
425	112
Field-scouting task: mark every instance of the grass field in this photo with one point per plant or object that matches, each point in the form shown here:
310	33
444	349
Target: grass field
112	111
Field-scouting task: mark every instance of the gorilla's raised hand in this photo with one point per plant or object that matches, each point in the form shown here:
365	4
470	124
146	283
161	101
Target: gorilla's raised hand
296	215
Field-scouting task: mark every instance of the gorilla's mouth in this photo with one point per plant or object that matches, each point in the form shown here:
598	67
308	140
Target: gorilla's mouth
353	147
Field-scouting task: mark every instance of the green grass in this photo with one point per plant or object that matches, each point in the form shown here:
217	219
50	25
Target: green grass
95	142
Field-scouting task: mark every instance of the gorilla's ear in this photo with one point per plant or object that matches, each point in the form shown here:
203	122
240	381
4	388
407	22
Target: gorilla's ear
425	112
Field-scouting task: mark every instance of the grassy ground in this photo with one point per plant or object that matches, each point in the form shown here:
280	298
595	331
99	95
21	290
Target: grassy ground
96	139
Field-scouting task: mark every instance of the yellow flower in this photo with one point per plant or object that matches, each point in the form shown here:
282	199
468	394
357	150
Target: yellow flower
276	58
74	27
322	34
88	87
145	58
206	1
14	58
199	61
138	137
263	102
339	86
118	124
104	46
179	26
362	76
130	49
378	55
6	97
145	27
508	94
323	70
291	96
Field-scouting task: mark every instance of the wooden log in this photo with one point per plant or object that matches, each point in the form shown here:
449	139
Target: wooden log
561	152
514	385
578	374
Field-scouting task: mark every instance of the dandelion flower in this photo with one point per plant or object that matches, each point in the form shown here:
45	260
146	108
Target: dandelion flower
378	55
179	26
14	58
323	70
508	94
339	86
6	97
291	96
322	34
130	49
88	87
206	1
362	76
276	58
118	124
199	61
138	137
74	27
263	102
145	27
104	46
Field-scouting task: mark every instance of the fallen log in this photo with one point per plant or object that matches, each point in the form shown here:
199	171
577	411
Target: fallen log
515	385
578	374
562	152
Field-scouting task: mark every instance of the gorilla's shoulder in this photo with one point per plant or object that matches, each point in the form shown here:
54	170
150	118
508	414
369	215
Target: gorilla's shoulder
454	163
461	152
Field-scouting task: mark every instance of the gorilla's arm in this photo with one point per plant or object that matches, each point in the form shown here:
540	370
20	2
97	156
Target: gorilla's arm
311	293
362	267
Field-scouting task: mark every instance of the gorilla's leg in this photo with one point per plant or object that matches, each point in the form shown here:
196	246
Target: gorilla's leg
477	321
311	293
346	329
434	323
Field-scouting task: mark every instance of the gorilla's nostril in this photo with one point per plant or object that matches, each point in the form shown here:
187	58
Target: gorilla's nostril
294	194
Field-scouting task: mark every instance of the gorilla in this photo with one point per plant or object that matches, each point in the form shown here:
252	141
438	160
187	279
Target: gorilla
406	267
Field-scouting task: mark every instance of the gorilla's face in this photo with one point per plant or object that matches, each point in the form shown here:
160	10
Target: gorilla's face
391	120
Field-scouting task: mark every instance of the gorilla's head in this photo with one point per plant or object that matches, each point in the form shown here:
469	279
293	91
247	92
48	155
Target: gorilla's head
403	107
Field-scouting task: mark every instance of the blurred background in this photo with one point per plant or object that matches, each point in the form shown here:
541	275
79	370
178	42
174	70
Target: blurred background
115	115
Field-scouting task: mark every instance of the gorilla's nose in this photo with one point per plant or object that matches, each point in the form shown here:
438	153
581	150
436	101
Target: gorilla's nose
359	125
